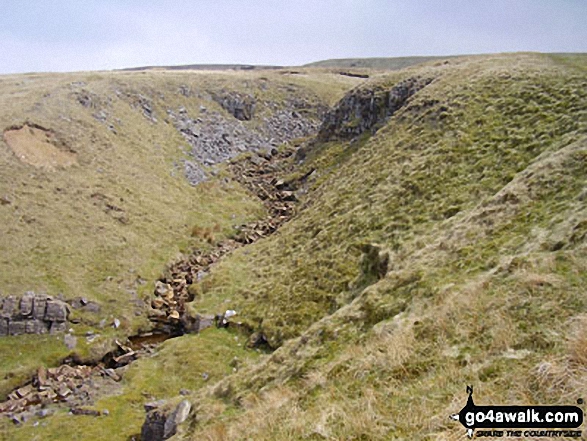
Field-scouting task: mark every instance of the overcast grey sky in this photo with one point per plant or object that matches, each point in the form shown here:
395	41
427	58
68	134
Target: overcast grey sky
68	35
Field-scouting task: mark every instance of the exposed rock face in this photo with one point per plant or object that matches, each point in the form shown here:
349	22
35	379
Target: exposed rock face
214	138
240	106
366	108
32	314
162	421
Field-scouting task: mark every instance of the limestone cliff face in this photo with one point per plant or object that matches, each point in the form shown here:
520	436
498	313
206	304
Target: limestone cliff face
366	108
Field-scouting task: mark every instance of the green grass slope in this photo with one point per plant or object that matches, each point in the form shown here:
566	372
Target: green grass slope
105	227
476	190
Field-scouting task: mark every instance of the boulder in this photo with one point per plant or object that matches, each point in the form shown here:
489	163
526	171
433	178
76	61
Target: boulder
26	303
56	311
154	425
178	416
162	420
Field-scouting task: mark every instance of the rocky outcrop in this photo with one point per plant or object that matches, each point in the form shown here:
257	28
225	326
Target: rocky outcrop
144	104
241	106
213	138
366	108
32	314
163	420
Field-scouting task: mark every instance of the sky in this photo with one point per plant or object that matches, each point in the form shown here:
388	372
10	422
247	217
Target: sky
74	35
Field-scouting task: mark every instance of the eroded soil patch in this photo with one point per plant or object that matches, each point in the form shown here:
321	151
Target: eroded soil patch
39	147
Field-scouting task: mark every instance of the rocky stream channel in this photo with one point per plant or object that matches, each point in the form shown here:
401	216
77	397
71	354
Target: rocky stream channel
77	386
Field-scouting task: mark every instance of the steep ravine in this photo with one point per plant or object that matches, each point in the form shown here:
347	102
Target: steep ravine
77	385
211	123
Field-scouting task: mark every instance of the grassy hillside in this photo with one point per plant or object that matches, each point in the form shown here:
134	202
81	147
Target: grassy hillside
476	190
94	198
124	208
443	246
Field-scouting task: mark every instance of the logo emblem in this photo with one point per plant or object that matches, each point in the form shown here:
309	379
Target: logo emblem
474	417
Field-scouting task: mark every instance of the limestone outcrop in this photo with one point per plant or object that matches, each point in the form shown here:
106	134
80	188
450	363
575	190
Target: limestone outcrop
366	108
32	314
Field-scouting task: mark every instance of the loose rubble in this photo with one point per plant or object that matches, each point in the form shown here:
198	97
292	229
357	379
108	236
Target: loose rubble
74	386
259	174
214	138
